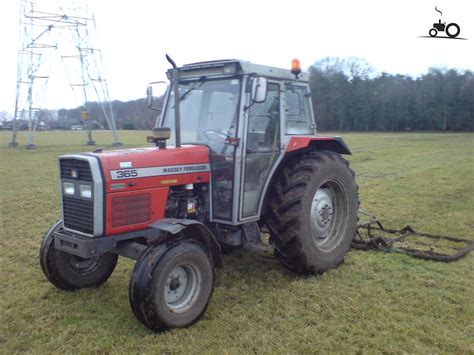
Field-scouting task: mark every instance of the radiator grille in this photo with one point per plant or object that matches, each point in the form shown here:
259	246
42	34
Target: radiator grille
81	166
131	210
78	214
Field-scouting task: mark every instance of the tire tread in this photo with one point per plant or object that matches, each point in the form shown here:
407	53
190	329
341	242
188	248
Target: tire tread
285	213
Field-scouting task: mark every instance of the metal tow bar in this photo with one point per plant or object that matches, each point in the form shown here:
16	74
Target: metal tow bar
372	235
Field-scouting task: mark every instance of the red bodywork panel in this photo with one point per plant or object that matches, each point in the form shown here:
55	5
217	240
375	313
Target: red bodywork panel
335	144
137	181
302	142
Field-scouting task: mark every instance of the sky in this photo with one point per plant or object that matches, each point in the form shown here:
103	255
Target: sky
135	35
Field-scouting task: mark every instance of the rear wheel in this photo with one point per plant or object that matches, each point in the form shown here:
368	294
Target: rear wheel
313	212
452	30
171	285
70	272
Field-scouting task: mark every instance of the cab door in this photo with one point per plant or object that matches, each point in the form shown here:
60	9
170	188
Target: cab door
261	151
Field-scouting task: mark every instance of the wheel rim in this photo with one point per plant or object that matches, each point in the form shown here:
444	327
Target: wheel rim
182	287
83	265
328	215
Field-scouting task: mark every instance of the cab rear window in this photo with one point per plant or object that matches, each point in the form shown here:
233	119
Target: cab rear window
297	110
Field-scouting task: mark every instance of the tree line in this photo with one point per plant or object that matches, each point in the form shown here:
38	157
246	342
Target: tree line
130	115
347	95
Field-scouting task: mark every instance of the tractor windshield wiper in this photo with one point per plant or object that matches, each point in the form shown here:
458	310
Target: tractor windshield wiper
197	85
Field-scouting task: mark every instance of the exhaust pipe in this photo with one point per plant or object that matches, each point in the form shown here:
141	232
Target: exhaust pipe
175	82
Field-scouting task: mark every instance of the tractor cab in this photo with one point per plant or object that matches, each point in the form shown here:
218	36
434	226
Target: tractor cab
246	114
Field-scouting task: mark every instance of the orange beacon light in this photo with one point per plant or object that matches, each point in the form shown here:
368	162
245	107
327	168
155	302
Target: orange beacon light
295	67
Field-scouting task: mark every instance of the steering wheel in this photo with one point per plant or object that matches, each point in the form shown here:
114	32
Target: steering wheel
217	139
215	135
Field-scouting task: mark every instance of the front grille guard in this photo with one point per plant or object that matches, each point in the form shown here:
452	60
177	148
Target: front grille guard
92	222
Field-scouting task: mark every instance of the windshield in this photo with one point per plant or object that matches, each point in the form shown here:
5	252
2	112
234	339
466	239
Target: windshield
208	111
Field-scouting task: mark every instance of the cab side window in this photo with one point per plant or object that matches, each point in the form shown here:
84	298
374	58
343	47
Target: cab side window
297	110
264	122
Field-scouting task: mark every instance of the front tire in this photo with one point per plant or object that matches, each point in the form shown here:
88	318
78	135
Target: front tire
70	272
171	285
313	212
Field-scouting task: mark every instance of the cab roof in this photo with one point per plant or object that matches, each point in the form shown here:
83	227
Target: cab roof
237	66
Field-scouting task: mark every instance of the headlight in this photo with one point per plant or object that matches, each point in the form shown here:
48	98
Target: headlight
68	188
86	191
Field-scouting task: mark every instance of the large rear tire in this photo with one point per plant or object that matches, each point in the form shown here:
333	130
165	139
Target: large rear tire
171	285
313	212
456	29
70	272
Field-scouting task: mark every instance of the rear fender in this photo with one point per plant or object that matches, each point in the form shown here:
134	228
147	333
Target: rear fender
333	144
192	230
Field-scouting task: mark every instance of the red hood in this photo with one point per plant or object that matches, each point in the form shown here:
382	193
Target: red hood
141	168
151	157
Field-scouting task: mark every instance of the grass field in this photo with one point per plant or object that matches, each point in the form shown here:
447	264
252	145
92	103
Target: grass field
373	302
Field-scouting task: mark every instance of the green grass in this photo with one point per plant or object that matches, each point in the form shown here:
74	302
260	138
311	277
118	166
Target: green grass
373	302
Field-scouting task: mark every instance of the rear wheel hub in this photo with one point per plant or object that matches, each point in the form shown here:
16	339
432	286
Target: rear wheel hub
321	215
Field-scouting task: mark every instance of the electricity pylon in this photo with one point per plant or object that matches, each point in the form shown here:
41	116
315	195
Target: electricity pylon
65	33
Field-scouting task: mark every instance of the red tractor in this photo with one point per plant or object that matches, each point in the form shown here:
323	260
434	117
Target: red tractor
242	155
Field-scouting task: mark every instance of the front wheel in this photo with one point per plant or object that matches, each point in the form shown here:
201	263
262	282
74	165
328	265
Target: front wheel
171	285
313	212
433	32
70	272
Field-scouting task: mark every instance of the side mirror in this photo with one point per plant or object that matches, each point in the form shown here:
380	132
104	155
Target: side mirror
149	96
156	89
259	90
